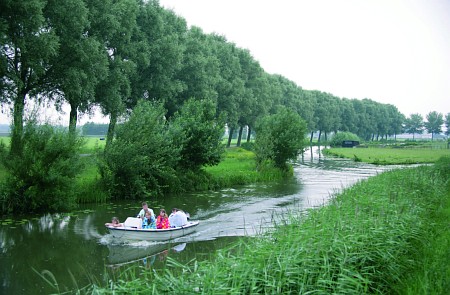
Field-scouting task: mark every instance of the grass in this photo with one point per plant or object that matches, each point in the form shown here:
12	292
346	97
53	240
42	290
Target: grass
387	235
239	167
389	156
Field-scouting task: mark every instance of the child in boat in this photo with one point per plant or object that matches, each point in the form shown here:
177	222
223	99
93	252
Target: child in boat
114	222
149	220
163	220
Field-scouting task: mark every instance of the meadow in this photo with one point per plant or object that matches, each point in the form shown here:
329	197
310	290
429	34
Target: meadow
385	155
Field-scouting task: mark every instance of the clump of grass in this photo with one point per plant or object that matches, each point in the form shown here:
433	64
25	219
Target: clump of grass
365	241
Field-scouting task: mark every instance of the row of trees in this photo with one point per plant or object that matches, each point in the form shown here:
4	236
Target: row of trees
111	53
415	124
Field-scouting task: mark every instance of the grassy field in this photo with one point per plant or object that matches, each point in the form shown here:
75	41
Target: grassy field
385	235
389	156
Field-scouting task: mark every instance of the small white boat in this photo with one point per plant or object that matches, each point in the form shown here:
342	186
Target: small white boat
131	231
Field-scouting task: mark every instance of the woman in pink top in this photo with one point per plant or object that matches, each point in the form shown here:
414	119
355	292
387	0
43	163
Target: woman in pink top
163	220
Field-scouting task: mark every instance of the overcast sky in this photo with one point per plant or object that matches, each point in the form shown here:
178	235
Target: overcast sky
390	51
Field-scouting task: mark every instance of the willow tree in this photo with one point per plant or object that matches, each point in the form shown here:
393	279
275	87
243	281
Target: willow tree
114	23
80	63
157	77
27	43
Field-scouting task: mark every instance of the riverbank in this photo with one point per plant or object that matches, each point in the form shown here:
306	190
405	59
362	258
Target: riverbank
387	235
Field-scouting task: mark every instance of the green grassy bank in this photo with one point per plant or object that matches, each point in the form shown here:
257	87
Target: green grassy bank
386	235
389	155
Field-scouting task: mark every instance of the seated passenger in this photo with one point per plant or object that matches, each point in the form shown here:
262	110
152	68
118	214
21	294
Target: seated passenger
177	218
144	209
148	221
163	220
114	223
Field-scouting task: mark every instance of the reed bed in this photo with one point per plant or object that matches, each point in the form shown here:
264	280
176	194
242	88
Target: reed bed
366	241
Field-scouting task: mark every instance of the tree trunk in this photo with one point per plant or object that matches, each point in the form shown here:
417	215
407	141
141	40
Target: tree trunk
111	128
230	135
312	136
73	118
326	136
240	136
249	132
320	133
17	128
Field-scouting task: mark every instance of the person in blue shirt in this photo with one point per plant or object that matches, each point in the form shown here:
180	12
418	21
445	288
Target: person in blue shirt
149	221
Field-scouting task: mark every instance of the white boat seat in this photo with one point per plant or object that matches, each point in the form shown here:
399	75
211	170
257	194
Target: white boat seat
133	222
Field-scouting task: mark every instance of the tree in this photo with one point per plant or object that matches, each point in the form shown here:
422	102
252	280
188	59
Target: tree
114	25
434	123
157	76
279	138
199	134
26	46
80	63
414	124
447	124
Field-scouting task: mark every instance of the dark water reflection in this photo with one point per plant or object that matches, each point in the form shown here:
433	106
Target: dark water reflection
74	249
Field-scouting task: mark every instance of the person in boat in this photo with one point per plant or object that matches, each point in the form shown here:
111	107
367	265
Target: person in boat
149	220
162	221
177	218
145	208
114	223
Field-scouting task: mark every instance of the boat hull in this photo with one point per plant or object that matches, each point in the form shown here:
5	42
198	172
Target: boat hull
128	233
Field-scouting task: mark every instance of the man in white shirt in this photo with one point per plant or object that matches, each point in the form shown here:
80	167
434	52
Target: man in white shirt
144	208
177	218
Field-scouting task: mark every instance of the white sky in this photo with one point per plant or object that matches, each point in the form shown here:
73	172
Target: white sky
391	51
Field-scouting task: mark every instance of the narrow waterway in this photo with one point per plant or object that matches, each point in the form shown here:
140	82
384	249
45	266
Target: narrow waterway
75	249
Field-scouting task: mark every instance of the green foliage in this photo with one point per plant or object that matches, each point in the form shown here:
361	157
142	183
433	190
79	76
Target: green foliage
249	146
279	138
338	138
42	178
199	134
141	161
434	123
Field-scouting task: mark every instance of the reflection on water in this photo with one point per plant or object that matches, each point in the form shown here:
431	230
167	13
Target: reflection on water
78	244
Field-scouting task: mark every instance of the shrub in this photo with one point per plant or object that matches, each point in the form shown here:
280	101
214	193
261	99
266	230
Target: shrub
279	138
199	134
42	177
141	161
338	138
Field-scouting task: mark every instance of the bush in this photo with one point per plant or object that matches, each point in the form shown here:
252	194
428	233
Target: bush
338	138
141	161
249	146
199	134
279	138
42	177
